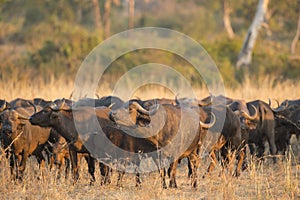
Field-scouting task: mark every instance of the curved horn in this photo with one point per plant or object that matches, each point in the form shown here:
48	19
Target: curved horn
53	106
34	106
136	97
50	143
111	105
20	116
71	95
62	104
143	110
209	125
4	106
176	100
281	108
202	103
253	117
277	102
270	102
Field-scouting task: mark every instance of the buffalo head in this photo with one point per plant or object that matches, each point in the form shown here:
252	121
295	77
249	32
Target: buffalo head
50	114
133	114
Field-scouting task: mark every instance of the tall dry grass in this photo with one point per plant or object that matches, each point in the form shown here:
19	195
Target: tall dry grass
251	89
264	181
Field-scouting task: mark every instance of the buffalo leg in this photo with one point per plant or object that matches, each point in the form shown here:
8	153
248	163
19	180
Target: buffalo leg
162	172
120	178
173	168
91	167
216	147
41	160
104	171
12	163
193	162
137	180
74	163
241	158
67	167
22	166
272	145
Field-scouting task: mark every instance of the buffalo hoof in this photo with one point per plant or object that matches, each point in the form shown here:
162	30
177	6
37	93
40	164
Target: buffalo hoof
173	184
164	185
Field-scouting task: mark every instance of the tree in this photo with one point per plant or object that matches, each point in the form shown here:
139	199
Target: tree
245	55
106	18
131	13
97	13
226	19
296	38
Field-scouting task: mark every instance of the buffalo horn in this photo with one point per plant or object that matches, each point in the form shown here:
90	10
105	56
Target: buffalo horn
247	116
203	103
281	108
53	106
34	106
176	100
143	110
62	104
50	143
20	116
111	105
209	125
4	106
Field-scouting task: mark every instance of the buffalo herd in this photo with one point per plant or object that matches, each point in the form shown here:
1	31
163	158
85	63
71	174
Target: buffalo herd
58	133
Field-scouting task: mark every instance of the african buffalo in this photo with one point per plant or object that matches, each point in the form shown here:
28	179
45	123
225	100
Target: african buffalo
264	131
177	132
230	138
21	139
107	101
62	119
287	117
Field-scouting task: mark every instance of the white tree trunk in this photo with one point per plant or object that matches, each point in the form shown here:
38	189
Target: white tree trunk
245	55
296	38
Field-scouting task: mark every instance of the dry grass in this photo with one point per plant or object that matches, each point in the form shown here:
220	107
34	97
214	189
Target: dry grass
266	181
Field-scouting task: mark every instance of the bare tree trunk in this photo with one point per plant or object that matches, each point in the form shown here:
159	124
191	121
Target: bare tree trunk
296	38
107	7
78	13
226	19
131	13
245	55
98	22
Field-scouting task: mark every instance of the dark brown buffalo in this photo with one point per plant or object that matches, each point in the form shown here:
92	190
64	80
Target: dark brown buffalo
287	117
129	144
60	155
21	138
165	121
230	140
61	119
239	107
107	101
264	131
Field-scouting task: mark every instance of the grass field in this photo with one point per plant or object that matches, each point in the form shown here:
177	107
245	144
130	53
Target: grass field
265	181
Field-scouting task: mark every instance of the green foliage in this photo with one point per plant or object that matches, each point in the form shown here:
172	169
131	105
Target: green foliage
55	36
